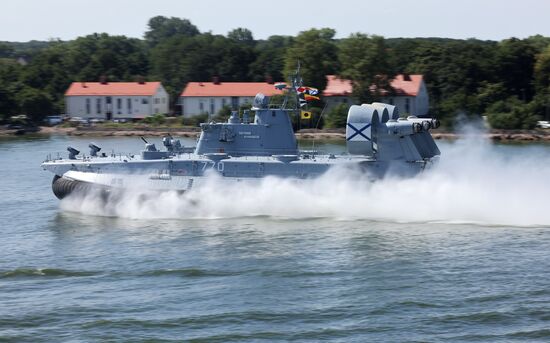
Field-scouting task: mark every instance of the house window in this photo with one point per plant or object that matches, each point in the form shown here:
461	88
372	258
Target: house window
98	106
223	102
408	105
144	101
390	100
119	105
157	101
234	102
88	106
129	103
163	100
212	106
201	106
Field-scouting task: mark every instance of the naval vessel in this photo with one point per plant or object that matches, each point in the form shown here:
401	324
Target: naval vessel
257	144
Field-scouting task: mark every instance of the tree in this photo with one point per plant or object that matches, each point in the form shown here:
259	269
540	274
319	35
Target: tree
542	71
365	61
337	116
117	57
270	58
36	104
515	60
315	50
162	28
512	114
241	35
9	84
6	50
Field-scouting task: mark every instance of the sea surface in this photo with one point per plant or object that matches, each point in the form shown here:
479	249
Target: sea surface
461	254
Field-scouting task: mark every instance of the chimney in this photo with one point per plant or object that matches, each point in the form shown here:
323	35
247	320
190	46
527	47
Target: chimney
406	77
103	79
83	84
140	79
216	80
269	79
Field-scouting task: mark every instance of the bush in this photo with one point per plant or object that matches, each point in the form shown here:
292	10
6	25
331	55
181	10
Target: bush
513	114
194	120
337	116
156	120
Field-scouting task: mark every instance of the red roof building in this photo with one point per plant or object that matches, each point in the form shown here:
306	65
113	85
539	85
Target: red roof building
210	97
115	100
113	88
409	93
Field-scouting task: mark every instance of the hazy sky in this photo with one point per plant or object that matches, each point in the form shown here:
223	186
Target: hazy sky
24	20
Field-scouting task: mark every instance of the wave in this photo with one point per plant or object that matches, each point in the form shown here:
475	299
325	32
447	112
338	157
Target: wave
188	272
43	272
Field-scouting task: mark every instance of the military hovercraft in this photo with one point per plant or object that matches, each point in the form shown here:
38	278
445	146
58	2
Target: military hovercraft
378	143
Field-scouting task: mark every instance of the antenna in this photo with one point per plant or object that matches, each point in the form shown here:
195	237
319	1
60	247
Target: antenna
317	126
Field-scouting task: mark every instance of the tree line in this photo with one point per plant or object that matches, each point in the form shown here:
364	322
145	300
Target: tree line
508	80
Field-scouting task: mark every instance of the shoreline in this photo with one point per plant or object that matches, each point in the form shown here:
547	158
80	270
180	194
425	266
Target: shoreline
325	134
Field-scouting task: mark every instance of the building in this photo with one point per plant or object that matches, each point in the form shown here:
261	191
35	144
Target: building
115	100
210	97
409	94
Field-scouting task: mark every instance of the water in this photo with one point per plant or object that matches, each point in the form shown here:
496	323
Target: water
459	254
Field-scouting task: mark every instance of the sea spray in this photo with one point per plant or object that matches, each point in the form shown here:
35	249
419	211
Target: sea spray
472	183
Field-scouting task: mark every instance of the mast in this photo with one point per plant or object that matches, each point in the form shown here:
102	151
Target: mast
296	82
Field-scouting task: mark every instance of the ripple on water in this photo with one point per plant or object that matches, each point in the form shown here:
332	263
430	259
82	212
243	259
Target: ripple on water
43	272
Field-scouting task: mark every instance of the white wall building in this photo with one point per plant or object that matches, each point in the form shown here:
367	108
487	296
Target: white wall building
116	100
410	94
210	97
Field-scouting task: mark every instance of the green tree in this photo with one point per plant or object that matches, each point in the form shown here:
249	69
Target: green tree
241	35
162	28
270	59
316	51
512	114
36	104
6	51
515	60
117	57
337	116
9	86
542	71
365	61
179	60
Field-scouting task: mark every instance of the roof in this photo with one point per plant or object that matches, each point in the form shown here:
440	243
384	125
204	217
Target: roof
113	88
229	89
343	87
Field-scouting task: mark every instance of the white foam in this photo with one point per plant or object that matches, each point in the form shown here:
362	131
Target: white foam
472	183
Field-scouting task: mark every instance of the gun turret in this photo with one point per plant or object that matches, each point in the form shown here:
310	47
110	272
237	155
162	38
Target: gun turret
94	149
72	153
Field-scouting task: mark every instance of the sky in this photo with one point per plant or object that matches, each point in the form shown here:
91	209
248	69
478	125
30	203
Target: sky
25	20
